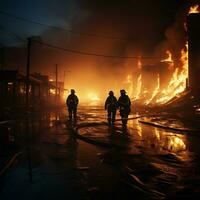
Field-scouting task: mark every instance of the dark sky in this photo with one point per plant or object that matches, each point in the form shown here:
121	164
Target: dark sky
143	22
57	13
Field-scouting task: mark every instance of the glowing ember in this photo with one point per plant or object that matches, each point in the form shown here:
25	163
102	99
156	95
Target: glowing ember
194	9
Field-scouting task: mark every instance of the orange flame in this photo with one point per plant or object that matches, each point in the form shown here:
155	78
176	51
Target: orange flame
194	9
177	83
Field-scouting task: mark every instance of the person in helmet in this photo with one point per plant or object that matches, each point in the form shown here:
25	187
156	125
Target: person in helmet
124	104
72	103
111	107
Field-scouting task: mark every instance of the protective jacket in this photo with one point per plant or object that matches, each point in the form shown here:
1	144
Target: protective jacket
111	103
72	101
124	104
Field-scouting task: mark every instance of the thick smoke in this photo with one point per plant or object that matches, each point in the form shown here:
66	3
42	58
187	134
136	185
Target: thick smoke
143	29
140	27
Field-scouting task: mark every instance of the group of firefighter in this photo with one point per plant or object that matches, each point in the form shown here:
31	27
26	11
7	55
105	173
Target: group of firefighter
111	105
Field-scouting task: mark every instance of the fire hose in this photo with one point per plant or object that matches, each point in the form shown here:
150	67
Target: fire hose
92	141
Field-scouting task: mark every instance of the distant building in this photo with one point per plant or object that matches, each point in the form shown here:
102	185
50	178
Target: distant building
60	91
13	89
41	91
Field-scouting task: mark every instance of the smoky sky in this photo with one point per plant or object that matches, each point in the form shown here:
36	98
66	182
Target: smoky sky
141	26
141	22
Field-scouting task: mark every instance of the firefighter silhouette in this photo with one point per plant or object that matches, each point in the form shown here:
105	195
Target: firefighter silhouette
124	104
72	103
111	107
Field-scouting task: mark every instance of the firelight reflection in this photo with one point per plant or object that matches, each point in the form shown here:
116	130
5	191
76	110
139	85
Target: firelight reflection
157	139
137	137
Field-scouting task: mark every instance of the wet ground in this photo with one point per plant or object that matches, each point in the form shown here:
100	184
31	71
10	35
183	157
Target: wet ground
94	161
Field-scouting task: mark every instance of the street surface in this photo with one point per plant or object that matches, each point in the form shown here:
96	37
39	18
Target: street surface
97	161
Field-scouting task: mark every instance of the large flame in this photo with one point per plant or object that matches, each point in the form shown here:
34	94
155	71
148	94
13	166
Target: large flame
177	83
194	9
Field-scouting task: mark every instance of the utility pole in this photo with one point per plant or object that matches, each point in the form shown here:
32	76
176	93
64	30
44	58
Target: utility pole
27	107
28	72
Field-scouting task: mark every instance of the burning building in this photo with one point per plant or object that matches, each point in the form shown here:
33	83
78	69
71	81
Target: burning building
177	94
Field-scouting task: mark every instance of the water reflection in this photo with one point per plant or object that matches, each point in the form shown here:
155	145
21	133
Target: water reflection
150	139
152	153
13	134
157	139
139	128
157	133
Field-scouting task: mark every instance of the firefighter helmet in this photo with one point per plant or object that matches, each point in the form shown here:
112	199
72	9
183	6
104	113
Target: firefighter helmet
111	93
72	91
123	91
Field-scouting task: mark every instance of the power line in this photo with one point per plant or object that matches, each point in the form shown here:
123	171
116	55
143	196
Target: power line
62	29
76	51
92	54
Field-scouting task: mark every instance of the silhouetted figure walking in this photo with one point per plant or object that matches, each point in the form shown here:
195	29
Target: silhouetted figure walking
124	104
72	103
111	107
